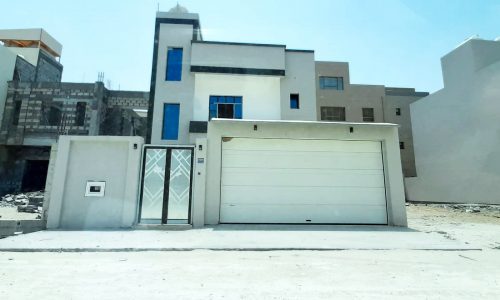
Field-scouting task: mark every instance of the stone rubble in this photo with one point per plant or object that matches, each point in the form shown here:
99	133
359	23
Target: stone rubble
25	202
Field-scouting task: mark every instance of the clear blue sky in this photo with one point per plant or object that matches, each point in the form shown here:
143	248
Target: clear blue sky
391	42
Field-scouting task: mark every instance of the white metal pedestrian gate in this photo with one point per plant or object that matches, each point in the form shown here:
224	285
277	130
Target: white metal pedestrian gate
289	181
166	185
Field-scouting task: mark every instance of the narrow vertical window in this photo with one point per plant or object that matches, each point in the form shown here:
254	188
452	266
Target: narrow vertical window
81	108
17	113
294	101
401	145
170	130
174	64
398	111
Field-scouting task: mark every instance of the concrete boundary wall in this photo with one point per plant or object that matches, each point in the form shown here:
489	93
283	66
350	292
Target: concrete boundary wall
113	160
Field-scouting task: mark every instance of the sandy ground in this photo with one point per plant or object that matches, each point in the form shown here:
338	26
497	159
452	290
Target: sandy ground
350	274
10	213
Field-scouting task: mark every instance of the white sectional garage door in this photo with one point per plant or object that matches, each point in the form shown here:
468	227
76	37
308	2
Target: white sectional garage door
302	181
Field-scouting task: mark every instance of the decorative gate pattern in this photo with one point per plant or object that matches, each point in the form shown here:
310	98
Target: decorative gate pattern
180	184
154	184
166	168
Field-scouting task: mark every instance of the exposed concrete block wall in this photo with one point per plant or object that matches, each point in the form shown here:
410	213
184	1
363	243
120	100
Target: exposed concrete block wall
48	69
24	71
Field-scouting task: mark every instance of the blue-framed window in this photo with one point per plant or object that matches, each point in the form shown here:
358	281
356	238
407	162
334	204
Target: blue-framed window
294	101
226	107
170	129
331	83
174	64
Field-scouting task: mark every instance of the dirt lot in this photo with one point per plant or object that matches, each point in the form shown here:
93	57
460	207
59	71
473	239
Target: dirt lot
472	224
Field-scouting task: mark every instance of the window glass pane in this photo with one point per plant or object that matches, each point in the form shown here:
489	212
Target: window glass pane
294	101
153	186
334	83
170	121
238	111
174	64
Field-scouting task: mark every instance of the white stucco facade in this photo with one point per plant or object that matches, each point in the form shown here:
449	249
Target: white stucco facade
263	75
112	160
261	94
456	130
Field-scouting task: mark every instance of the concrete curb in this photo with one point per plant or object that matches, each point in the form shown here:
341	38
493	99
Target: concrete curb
111	250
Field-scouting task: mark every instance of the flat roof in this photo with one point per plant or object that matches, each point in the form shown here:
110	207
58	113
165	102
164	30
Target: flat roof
216	120
238	44
31	38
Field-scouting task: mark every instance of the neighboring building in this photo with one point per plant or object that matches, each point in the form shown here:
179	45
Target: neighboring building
457	130
339	100
36	108
38	49
37	113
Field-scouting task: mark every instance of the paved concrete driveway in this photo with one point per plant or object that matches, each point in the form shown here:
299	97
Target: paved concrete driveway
236	237
398	273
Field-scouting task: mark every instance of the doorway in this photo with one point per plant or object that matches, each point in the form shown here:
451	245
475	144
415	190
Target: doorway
35	175
166	189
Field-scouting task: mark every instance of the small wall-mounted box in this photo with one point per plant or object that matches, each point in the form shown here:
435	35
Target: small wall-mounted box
95	189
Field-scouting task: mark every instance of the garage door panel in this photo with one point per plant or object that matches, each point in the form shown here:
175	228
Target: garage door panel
300	145
303	160
303	177
236	195
293	181
300	214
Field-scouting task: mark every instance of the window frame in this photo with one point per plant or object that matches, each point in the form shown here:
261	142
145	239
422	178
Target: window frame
164	136
175	56
293	99
367	117
339	86
341	113
80	119
215	100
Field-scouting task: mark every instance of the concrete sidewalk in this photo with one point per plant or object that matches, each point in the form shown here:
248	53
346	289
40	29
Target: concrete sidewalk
235	237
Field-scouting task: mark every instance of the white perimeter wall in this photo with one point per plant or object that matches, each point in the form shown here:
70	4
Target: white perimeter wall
114	160
386	133
261	94
456	134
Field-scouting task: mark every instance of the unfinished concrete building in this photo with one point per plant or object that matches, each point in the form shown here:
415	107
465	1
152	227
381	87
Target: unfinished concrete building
36	108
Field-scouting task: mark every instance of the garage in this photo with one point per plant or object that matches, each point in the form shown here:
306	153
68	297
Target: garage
302	181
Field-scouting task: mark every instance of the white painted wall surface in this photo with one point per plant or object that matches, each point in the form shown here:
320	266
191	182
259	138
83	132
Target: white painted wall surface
238	56
173	35
261	94
456	132
7	65
114	160
385	133
29	54
299	79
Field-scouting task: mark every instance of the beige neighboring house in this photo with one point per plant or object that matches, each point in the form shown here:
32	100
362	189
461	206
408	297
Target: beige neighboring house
457	129
339	100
